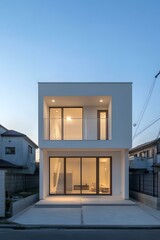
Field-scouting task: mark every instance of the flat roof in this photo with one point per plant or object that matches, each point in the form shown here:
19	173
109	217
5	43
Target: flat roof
84	82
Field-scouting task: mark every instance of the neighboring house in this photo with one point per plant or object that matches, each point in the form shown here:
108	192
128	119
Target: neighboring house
85	131
17	152
145	157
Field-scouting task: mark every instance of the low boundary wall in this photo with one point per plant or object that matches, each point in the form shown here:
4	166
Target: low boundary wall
23	203
146	199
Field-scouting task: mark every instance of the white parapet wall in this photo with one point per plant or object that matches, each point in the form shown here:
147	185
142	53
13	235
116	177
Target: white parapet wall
21	204
2	193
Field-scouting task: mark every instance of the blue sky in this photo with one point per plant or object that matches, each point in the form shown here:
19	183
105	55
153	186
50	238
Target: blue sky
77	40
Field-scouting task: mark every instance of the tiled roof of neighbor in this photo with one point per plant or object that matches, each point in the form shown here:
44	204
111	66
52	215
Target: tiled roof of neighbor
5	164
3	127
144	145
12	133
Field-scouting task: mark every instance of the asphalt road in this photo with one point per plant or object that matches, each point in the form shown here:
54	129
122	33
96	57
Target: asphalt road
79	234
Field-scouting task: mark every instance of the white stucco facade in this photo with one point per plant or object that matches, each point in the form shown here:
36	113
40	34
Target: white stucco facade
116	100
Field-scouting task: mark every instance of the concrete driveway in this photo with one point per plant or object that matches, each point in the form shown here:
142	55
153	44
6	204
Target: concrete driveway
87	211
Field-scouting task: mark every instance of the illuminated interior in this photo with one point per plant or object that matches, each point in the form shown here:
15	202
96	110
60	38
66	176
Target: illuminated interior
103	125
65	123
80	175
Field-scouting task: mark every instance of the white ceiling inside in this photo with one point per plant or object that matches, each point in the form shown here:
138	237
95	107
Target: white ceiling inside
78	101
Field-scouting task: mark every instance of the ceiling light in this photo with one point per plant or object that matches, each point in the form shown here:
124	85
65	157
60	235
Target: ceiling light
69	118
103	160
101	100
53	100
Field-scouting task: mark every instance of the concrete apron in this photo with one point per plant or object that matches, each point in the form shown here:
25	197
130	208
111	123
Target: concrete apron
79	201
80	211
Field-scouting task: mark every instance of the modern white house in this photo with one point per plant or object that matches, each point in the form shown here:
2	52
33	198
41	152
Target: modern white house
85	132
17	152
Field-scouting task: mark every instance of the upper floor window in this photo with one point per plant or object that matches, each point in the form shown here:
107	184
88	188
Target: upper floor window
10	150
66	123
102	117
29	149
151	153
158	147
141	154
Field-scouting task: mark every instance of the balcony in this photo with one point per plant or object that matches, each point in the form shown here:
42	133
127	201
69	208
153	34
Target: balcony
137	163
57	129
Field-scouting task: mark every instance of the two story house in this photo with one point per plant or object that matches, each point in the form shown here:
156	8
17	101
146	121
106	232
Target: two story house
85	131
17	152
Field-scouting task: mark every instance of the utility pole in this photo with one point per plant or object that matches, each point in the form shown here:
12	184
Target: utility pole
157	74
159	129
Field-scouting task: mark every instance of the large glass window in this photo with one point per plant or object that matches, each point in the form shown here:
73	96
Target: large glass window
89	175
66	123
73	182
102	124
72	123
104	175
56	175
55	123
80	175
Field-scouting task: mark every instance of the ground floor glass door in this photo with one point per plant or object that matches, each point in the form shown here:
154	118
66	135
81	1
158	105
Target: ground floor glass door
89	176
73	176
80	175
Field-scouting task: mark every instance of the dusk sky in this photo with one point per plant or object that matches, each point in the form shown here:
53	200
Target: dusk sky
77	40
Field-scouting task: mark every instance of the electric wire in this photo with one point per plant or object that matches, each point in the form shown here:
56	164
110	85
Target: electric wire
144	107
144	129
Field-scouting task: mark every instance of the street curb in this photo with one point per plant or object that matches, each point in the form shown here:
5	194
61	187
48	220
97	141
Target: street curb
123	227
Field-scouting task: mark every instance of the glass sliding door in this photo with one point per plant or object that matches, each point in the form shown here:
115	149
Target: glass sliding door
56	175
80	175
104	176
65	124
89	176
73	181
72	123
102	124
55	124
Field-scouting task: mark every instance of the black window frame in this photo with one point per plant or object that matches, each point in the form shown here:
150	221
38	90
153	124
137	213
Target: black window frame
10	150
158	147
30	149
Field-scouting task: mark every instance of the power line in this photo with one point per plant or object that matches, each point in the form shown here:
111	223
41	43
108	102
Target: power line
145	106
144	129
